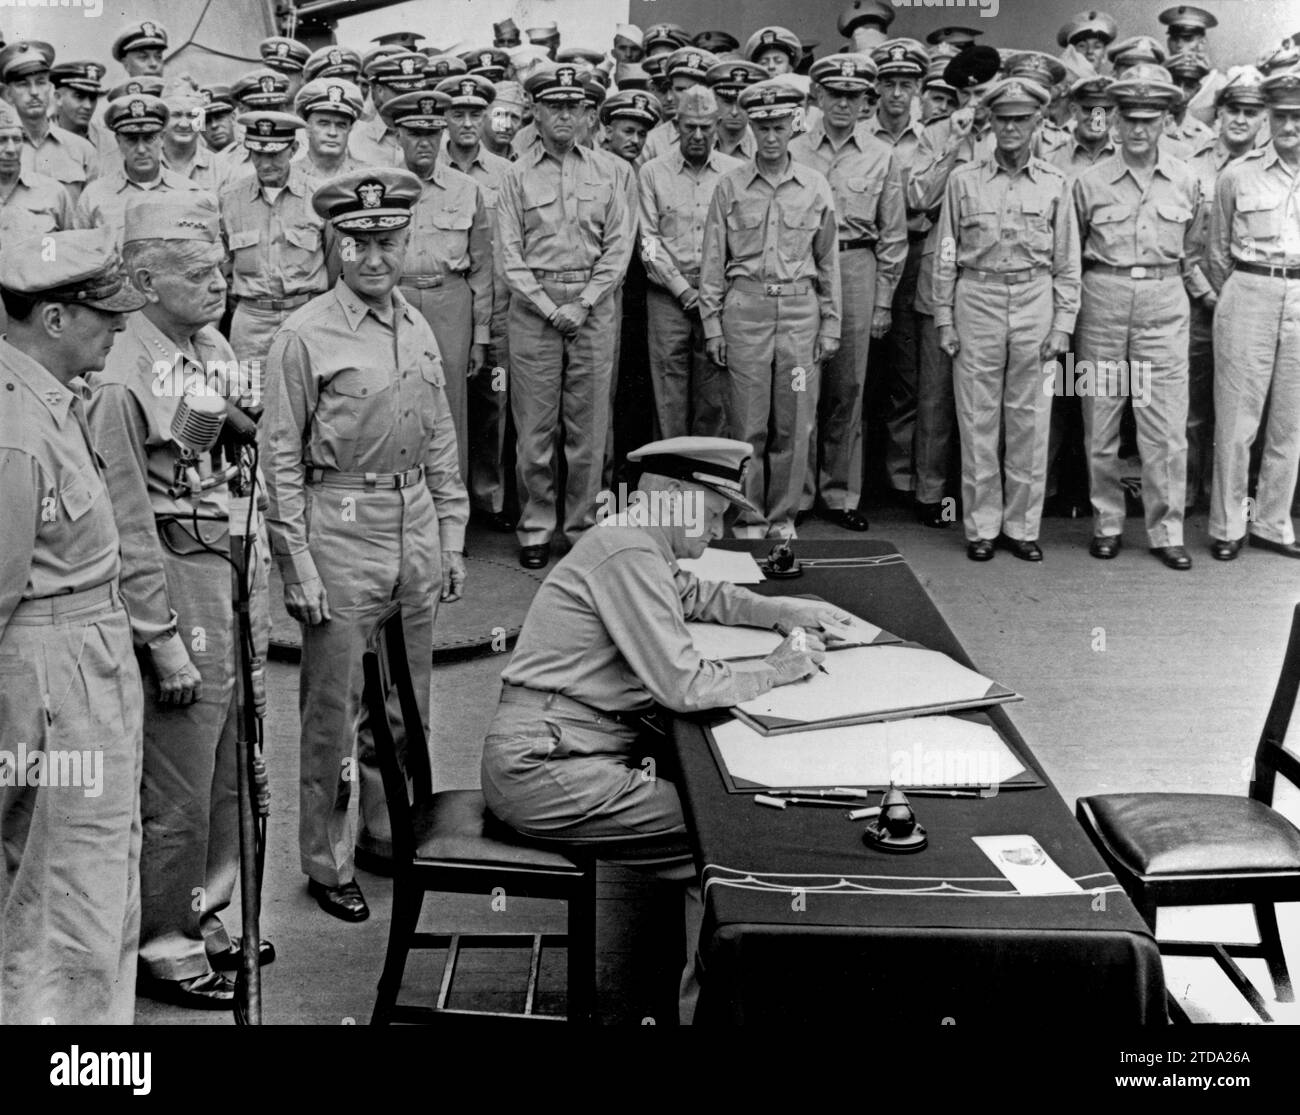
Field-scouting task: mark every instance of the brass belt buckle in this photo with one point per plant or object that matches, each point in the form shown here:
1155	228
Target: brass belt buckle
1138	273
772	290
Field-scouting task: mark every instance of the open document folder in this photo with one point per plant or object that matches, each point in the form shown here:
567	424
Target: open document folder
929	751
716	640
872	683
736	566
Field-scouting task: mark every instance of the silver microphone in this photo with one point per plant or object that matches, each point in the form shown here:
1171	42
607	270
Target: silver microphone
197	423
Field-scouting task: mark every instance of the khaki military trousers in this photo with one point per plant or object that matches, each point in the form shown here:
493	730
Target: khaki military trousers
1133	335
770	345
69	853
488	408
556	383
998	390
449	310
902	347
690	390
189	805
370	548
835	451
1256	357
1200	404
936	415
252	330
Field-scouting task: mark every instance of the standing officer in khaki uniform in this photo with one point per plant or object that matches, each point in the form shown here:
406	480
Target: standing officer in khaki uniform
259	91
69	689
30	203
1139	212
329	107
1006	295
178	592
728	80
685	69
1253	261
447	275
273	235
289	56
375	142
366	507
690	391
770	305
218	117
566	238
872	226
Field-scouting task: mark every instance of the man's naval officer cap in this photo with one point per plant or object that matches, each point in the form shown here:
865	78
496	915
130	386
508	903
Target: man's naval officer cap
631	104
425	111
899	58
172	215
844	73
145	83
261	89
329	94
442	66
403	72
286	55
1015	96
269	132
136	114
961	37
333	61
217	99
489	62
716	42
371	199
973	67
145	35
664	38
733	77
85	76
715	463
774	38
631	75
771	99
471	90
555	84
588	54
407	40
1086	25
690	61
83	269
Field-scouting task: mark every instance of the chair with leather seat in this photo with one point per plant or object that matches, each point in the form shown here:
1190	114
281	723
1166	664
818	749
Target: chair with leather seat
449	843
1214	849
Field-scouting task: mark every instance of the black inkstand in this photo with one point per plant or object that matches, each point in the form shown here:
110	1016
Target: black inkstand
895	830
781	564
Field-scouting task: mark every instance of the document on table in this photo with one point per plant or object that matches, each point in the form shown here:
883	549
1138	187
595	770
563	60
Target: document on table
928	751
736	566
1030	869
873	683
716	640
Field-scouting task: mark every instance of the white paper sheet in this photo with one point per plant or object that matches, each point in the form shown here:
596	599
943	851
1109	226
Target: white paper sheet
1030	869
715	640
736	566
923	751
873	681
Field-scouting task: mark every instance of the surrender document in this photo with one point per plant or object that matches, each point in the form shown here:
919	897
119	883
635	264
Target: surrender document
925	751
716	640
736	566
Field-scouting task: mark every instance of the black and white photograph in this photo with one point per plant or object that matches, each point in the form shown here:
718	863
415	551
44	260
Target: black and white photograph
524	515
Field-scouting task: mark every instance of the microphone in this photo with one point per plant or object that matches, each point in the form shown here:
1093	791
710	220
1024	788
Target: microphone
197	423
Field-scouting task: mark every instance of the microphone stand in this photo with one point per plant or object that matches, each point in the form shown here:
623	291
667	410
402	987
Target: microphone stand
250	706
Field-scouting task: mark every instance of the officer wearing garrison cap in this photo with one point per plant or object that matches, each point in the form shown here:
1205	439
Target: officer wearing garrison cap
1253	262
47	148
872	226
69	878
447	272
605	642
1139	212
329	107
770	305
366	508
32	203
1006	295
685	69
177	588
138	121
566	237
274	237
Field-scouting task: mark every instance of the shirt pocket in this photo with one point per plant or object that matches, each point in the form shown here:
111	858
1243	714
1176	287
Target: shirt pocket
745	225
432	398
1257	219
977	227
243	249
593	206
1037	214
541	210
1172	223
451	228
301	257
75	526
860	200
355	408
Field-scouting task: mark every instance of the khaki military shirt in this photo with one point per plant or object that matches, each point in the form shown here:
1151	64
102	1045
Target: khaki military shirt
352	390
132	402
103	202
485	168
202	168
304	162
34	206
1255	217
1000	220
771	232
276	248
374	143
868	188
59	534
1074	158
673	201
65	157
608	628
744	149
569	214
450	234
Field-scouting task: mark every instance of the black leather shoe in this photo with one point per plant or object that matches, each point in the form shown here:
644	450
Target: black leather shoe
233	958
849	519
1105	546
1225	551
1176	557
535	557
1292	551
345	903
1025	551
373	862
931	515
495	521
980	550
212	991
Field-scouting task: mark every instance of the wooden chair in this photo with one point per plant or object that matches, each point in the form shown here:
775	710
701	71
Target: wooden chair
447	842
1214	849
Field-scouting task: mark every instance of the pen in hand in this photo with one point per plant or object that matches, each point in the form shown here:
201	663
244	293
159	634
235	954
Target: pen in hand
781	630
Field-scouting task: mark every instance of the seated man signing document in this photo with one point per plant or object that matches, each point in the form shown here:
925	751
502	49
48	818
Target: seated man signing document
605	641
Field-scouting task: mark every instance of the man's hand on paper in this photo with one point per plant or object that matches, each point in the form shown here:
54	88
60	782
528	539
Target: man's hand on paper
829	621
799	656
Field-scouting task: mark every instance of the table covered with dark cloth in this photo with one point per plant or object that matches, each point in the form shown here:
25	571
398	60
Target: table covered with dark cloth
805	924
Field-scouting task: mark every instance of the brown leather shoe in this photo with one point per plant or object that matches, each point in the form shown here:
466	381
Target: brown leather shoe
344	902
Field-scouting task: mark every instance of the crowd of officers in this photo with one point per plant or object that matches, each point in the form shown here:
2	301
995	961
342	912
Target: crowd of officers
426	267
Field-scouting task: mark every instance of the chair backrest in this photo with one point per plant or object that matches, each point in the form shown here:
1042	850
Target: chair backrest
1271	756
394	713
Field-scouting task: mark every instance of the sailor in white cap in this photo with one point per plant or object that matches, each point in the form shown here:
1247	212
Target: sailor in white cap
605	644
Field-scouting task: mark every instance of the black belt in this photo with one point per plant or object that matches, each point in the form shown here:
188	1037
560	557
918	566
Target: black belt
860	242
1270	272
278	305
